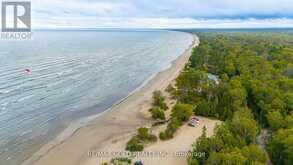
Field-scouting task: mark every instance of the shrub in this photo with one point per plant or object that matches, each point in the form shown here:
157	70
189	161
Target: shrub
163	136
180	113
134	145
166	135
174	124
171	129
143	133
144	136
152	138
137	142
121	161
159	100
105	164
171	90
169	133
158	113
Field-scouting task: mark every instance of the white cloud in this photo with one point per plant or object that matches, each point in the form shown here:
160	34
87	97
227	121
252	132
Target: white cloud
92	22
167	8
162	13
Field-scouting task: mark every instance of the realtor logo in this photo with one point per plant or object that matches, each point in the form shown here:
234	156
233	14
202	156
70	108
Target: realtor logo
16	16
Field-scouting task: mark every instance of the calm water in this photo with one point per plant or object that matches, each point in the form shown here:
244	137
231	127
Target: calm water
74	74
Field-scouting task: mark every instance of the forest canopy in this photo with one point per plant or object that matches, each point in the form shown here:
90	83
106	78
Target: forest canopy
253	94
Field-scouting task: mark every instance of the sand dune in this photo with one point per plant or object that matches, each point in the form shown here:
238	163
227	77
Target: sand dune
173	152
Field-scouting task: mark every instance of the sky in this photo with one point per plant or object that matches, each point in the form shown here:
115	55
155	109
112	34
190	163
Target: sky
162	13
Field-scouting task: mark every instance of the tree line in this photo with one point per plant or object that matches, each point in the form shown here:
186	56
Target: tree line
253	91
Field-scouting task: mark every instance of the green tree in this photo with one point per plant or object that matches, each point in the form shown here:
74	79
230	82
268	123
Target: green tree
233	157
182	112
190	84
276	120
256	86
205	108
254	154
280	147
243	125
289	101
226	138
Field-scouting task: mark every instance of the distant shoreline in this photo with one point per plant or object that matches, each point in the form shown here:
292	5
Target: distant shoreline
123	118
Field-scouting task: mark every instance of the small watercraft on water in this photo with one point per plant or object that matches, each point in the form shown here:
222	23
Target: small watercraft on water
27	71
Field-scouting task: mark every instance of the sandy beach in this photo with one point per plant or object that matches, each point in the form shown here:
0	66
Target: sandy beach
113	128
173	151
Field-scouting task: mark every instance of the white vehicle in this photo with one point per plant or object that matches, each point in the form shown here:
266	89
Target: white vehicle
193	122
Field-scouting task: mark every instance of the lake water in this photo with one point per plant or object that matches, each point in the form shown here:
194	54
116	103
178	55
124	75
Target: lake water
62	76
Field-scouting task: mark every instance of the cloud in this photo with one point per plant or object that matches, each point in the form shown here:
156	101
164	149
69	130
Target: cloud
163	13
162	23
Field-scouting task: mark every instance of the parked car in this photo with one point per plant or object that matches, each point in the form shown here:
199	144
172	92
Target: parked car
193	122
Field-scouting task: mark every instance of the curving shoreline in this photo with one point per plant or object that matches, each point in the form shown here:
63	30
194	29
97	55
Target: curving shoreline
122	120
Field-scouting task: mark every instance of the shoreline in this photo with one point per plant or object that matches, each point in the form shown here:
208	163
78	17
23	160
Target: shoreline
121	119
